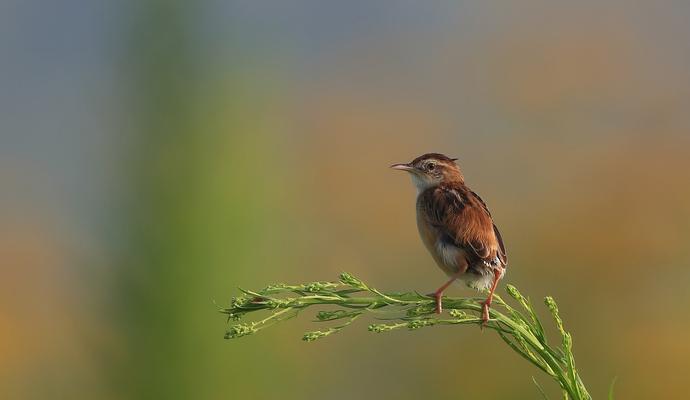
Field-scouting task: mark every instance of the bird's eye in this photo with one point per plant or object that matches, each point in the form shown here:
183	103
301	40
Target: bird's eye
430	166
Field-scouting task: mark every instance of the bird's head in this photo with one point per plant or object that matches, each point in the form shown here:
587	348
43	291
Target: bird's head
431	169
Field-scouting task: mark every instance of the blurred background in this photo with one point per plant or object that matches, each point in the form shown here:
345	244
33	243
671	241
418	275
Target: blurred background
155	155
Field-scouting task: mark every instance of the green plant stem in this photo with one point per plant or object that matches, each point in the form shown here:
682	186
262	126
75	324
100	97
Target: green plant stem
521	330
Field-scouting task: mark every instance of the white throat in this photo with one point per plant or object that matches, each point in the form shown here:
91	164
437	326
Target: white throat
422	183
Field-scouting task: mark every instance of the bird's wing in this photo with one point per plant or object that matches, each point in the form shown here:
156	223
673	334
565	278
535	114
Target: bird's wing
462	216
502	254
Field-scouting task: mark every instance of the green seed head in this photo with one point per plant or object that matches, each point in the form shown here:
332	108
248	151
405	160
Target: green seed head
420	323
239	302
513	292
240	330
315	287
419	311
311	336
274	288
331	315
378	328
349	279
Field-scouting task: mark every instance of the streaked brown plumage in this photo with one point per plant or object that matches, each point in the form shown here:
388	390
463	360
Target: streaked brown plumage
456	226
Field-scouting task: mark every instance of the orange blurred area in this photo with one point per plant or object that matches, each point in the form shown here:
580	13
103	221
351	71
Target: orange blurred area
156	156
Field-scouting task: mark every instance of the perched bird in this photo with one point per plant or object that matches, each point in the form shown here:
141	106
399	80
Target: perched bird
456	227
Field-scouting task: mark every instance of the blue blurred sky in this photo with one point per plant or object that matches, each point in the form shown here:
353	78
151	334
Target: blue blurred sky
65	86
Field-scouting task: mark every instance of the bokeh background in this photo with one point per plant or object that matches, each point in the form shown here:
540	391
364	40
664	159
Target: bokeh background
155	155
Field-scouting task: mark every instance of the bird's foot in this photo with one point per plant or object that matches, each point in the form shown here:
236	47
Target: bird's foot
438	308
439	303
485	313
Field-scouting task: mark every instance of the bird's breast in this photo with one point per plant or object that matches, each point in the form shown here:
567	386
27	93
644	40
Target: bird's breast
446	255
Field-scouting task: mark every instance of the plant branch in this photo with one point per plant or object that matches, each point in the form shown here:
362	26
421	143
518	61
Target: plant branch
520	328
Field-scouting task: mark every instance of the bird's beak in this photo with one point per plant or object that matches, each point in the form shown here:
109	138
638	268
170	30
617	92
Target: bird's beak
403	167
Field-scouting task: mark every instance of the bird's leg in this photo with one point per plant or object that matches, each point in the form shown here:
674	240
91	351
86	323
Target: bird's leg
438	294
487	303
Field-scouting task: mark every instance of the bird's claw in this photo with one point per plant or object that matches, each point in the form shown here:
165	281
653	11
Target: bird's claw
485	315
438	308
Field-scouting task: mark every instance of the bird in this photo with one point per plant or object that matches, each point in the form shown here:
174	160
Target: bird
456	227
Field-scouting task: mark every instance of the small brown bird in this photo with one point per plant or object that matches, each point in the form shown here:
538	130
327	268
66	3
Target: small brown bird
456	227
